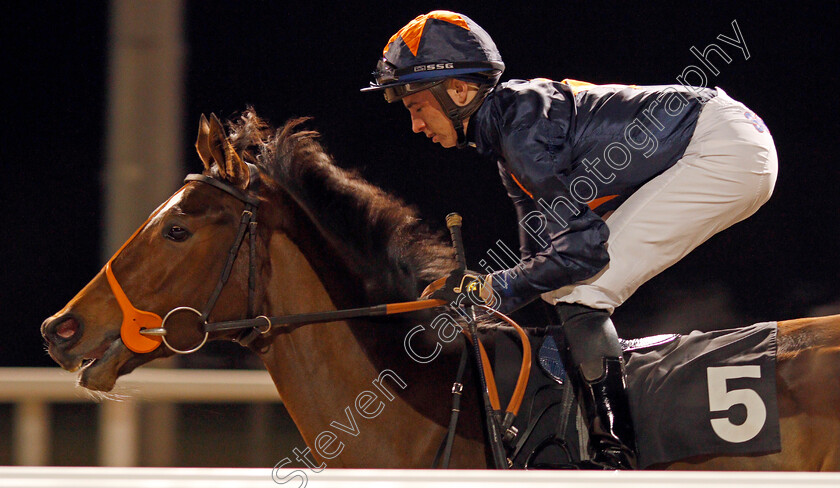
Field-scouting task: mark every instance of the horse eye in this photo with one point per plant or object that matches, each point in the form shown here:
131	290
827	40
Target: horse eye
177	233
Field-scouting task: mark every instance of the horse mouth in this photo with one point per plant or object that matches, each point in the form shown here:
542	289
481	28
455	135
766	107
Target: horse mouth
101	367
100	355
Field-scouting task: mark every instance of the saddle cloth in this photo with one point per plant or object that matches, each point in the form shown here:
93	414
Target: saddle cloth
704	393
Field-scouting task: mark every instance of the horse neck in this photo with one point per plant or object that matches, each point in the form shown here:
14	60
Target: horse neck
298	355
319	369
322	370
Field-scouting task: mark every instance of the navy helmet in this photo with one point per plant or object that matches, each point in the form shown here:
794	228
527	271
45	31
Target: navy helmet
431	49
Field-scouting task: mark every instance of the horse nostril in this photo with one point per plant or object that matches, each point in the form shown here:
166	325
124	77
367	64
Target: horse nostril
61	329
67	329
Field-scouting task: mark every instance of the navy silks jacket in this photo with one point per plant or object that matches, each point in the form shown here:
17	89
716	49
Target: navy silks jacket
568	152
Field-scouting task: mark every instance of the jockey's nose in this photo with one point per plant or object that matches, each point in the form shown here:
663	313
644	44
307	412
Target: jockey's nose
417	124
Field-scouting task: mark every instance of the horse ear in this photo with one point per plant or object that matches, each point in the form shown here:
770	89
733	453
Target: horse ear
202	143
216	141
231	166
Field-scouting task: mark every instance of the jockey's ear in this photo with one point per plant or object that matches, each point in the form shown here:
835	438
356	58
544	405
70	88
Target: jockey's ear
215	149
461	92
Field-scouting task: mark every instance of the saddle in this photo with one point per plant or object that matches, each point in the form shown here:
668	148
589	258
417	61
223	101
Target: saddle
551	364
669	384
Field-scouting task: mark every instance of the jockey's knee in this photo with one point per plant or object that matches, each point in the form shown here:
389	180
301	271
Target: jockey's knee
590	336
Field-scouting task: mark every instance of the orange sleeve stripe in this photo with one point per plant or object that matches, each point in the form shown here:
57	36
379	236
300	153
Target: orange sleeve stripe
520	186
593	204
413	31
600	201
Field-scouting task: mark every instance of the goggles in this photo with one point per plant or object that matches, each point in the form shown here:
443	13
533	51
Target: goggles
398	92
385	72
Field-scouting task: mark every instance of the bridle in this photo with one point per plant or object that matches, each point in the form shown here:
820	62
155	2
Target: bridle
142	331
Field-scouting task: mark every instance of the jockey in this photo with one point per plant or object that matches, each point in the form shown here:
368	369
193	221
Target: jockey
612	184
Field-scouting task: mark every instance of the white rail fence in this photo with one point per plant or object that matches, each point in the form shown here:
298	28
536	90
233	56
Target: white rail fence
32	390
52	477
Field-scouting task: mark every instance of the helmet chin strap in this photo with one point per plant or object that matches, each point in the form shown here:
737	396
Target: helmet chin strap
461	141
457	113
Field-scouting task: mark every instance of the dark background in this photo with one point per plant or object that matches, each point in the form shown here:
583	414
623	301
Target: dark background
310	58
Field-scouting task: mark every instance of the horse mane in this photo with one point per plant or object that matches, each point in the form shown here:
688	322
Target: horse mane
379	236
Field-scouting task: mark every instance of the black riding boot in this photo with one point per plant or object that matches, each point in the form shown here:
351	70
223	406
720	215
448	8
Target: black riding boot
596	366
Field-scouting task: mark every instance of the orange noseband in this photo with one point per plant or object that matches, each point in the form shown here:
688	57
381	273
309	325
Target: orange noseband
134	319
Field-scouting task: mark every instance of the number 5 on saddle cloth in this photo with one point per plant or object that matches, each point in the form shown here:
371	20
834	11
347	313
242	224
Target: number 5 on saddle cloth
705	393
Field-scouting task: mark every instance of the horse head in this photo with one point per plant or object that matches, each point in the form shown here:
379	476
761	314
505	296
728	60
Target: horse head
171	264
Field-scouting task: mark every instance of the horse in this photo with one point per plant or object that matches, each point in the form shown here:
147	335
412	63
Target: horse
365	392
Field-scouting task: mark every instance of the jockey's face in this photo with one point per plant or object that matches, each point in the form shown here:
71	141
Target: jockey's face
427	117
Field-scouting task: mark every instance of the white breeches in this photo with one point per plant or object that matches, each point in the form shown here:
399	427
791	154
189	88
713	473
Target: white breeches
728	171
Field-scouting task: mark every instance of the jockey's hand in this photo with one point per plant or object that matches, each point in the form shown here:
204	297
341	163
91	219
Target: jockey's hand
462	287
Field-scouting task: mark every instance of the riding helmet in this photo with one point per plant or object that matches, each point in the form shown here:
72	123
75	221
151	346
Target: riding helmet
432	48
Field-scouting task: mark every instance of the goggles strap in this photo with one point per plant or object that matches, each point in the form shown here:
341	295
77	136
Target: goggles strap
458	114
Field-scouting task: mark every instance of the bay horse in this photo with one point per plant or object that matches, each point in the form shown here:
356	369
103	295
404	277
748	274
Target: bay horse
367	392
